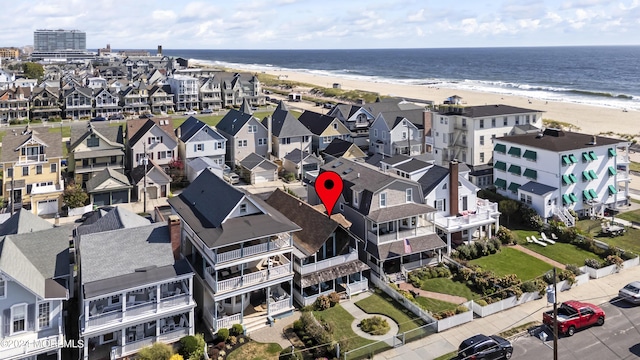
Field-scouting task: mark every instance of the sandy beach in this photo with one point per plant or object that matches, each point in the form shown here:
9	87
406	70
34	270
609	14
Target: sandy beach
590	119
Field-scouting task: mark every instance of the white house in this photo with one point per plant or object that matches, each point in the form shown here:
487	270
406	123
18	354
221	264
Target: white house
554	171
185	90
197	139
398	132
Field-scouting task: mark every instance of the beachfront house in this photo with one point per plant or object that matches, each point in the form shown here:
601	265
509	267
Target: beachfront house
185	91
245	135
554	171
325	257
466	134
209	93
398	132
241	250
324	129
389	217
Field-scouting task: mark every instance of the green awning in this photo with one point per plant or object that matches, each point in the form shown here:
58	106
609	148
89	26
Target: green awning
585	175
566	160
585	195
501	183
593	174
593	194
531	155
573	197
612	171
515	151
566	180
500	165
586	157
530	173
515	169
514	187
573	159
566	199
573	178
593	155
500	148
612	152
612	190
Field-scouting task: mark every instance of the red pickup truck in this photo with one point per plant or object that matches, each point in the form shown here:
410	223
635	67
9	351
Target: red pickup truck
574	315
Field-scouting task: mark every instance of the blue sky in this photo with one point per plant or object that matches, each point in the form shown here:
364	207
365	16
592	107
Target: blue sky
326	24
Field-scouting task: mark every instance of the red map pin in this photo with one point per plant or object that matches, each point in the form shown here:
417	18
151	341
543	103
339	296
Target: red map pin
329	187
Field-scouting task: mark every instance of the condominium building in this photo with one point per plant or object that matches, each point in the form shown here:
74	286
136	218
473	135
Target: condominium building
54	40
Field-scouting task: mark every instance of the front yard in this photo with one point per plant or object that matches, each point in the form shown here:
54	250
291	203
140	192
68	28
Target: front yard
381	303
256	351
449	286
630	216
339	320
563	253
628	241
512	261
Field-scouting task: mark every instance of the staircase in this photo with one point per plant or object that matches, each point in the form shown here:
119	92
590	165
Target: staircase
565	216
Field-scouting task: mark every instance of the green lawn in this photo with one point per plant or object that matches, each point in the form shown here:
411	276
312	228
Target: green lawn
511	261
628	241
521	235
634	166
340	321
253	350
563	253
630	215
65	130
448	286
381	303
435	306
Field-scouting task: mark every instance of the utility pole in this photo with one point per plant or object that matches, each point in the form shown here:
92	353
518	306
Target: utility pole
145	161
555	315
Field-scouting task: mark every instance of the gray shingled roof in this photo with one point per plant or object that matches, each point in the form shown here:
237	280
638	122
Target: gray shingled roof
48	250
254	160
24	221
412	165
487	110
558	140
393	118
137	173
432	178
201	163
233	121
113	134
534	187
396	248
120	252
105	175
118	218
11	142
17	266
337	147
315	122
285	125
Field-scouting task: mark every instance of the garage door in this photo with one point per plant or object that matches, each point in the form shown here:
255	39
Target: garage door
101	199
47	207
120	197
152	192
263	176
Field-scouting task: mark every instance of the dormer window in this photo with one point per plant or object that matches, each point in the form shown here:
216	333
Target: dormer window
383	199
243	208
93	141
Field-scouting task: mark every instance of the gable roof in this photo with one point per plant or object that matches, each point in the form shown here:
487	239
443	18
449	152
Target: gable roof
205	204
432	178
254	160
112	134
315	122
105	175
393	118
24	221
137	173
316	227
11	143
233	121
117	218
284	125
338	147
202	162
192	126
136	128
296	155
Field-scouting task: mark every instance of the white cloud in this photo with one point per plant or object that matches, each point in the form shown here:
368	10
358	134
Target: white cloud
163	15
417	17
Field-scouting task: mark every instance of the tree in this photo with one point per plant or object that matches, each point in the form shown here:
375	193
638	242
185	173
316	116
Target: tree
74	196
33	70
157	351
176	170
508	207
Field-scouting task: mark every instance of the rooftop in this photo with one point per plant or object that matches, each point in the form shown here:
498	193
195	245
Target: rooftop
559	141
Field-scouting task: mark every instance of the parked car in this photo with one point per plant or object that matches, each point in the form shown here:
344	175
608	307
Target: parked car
146	116
631	292
485	347
99	118
231	178
116	117
206	111
190	112
574	315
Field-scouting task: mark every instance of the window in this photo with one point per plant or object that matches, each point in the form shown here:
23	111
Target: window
464	156
198	147
25	171
517	119
305	138
252	129
155	140
262	142
3	288
93	141
493	122
409	195
383	199
444	138
404	135
375	132
242	143
482	140
384	135
464	122
38	169
505	121
481	157
10	172
335	126
219	145
18	318
482	124
285	141
465	203
464	139
440	205
243	208
44	311
356	196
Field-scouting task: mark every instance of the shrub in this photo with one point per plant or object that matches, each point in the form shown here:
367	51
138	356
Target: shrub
375	325
574	269
188	345
298	326
614	260
628	255
505	236
593	263
157	351
237	329
223	334
232	340
322	303
176	357
533	286
461	309
567	275
481	302
334	299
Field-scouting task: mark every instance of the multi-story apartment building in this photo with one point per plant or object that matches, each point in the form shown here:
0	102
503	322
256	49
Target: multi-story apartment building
466	133
14	104
142	298
54	40
10	53
554	171
185	92
241	250
237	87
31	162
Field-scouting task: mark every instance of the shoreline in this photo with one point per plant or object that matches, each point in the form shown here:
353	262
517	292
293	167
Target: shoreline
590	119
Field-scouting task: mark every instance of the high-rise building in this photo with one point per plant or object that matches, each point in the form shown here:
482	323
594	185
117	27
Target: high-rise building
56	40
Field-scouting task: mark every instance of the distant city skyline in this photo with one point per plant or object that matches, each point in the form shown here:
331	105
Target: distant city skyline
330	24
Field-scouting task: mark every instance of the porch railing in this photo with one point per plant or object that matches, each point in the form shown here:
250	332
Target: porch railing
271	245
357	287
455	221
227	321
327	263
136	345
140	309
280	305
176	300
246	280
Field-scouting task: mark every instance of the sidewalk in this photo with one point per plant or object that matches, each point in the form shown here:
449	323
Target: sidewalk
596	291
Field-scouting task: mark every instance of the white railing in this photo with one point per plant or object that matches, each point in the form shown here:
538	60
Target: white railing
176	300
419	263
484	205
271	245
622	159
357	287
622	176
102	319
227	321
174	335
140	309
279	306
450	222
249	279
399	235
136	345
571	221
324	264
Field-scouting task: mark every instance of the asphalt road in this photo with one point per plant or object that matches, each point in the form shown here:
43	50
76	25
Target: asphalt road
618	338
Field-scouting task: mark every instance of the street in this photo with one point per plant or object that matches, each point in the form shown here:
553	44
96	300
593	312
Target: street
618	338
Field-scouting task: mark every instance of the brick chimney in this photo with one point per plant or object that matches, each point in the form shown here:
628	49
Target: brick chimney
427	120
174	235
453	187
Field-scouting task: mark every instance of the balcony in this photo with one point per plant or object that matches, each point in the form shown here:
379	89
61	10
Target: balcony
265	270
622	159
28	159
484	205
220	257
384	236
327	263
357	287
80	169
226	321
466	221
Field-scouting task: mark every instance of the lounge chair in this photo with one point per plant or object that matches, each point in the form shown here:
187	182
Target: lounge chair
539	242
554	237
545	238
529	239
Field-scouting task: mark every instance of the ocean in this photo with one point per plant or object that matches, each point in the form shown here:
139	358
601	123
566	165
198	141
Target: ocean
596	75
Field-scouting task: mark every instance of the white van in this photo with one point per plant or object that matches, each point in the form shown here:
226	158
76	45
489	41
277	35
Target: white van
231	178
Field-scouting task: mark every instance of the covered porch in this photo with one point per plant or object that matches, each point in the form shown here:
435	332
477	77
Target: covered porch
347	278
